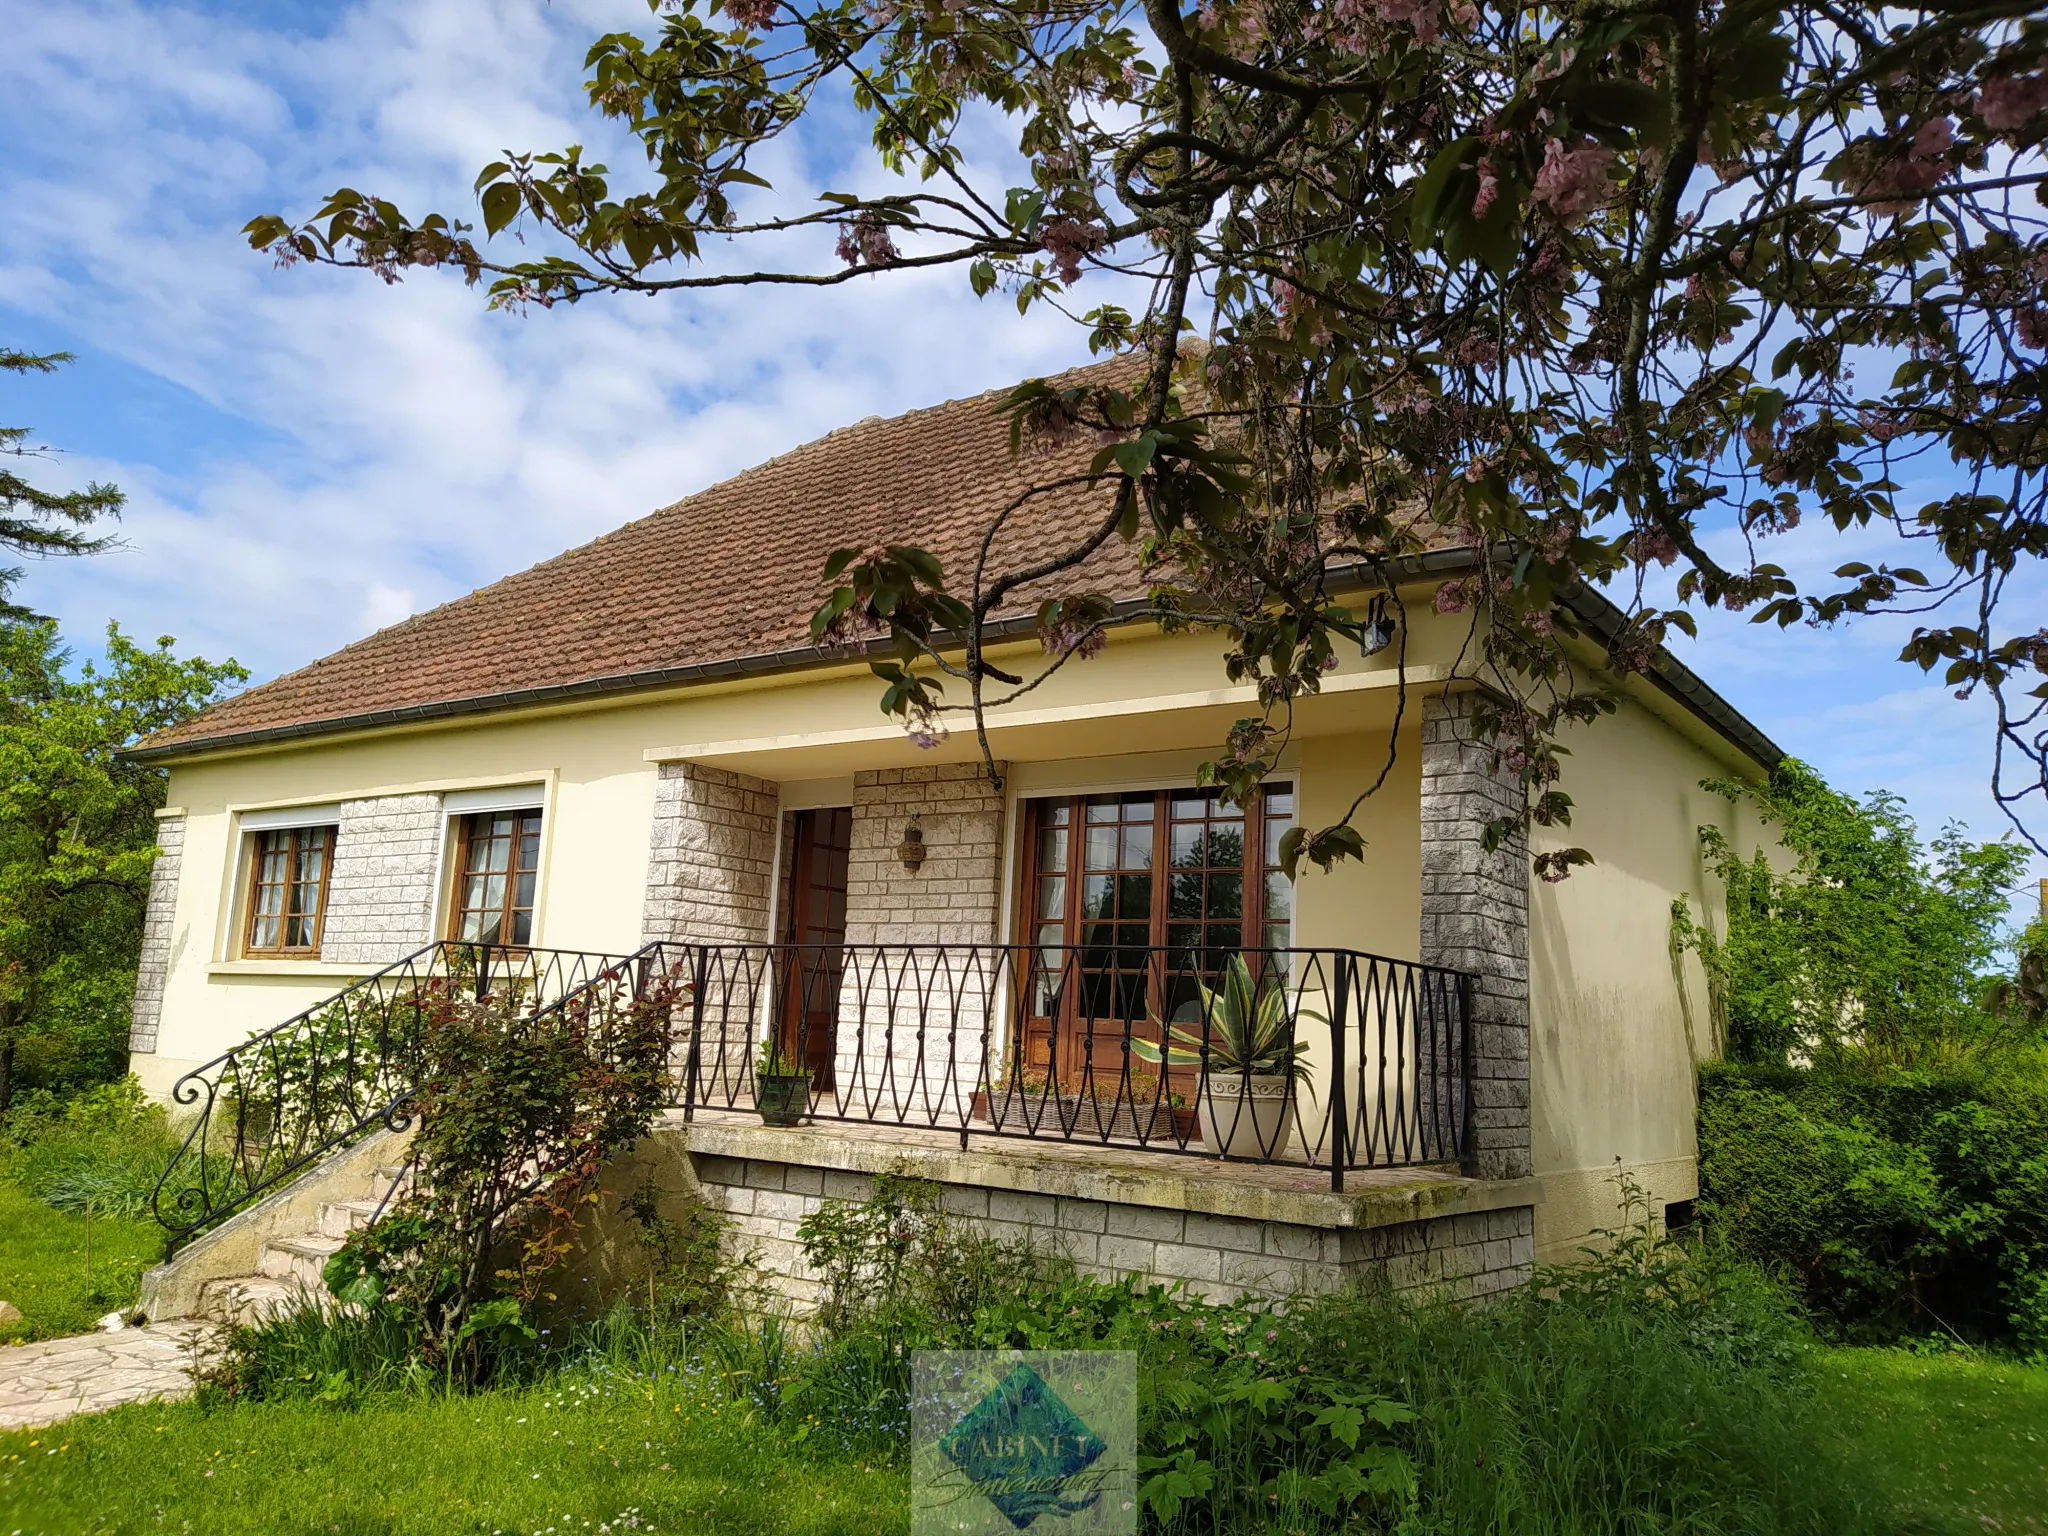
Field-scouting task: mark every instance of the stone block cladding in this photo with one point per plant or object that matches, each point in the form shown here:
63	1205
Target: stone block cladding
158	920
885	1055
1469	1255
712	858
952	899
1475	918
710	871
380	898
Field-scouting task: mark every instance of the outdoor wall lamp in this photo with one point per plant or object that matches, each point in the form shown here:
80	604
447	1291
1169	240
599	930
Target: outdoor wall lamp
911	849
1377	632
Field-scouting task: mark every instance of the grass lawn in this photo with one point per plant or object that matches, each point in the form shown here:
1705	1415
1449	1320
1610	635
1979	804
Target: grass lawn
1943	1444
43	1265
1949	1442
571	1457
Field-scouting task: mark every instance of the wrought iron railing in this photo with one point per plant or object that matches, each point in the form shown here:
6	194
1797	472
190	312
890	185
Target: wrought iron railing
264	1111
1317	1057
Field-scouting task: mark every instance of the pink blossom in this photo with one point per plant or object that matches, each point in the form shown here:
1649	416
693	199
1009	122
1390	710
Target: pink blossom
1450	598
754	15
1081	641
2032	325
2009	104
924	728
1899	182
866	241
1422	15
1655	544
1478	351
1067	241
1489	189
1574	182
1933	139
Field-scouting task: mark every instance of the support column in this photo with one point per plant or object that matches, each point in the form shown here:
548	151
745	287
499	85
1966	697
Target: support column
1475	918
710	870
712	860
911	1020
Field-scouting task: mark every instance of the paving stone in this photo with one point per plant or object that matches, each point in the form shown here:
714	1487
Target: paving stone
57	1378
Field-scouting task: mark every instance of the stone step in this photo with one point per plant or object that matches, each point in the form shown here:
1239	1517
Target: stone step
298	1258
251	1299
338	1218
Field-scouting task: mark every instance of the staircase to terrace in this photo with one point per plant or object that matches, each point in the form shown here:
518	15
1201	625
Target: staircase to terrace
289	1267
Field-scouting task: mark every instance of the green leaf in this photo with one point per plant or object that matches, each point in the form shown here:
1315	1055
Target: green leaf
1135	457
1427	201
1619	103
501	206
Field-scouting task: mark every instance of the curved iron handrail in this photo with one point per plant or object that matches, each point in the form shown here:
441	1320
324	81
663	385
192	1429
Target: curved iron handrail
280	1101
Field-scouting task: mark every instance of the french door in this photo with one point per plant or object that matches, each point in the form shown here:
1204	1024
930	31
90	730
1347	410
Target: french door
814	927
1131	903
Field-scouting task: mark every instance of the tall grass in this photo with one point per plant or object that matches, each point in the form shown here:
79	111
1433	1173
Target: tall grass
103	1149
1658	1388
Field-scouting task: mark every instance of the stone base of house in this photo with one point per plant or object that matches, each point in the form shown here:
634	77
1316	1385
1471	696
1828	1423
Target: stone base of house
1223	1230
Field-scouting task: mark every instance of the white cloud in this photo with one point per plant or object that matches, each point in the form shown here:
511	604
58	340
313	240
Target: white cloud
408	443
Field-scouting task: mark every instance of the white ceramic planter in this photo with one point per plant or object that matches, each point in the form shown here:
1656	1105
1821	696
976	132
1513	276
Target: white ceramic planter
1247	1117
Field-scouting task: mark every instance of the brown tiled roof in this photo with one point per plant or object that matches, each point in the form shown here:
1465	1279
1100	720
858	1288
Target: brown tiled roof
729	573
726	581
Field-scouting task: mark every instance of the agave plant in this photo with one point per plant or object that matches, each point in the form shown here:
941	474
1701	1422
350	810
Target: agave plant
1251	1031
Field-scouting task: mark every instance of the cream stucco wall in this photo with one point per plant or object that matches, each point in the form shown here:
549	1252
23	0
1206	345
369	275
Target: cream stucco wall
599	799
1616	1019
599	765
1610	1051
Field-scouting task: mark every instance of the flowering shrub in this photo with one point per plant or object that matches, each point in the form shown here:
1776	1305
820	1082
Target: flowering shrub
1579	289
518	1114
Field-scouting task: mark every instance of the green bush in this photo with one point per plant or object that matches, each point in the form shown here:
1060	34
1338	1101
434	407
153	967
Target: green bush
1658	1389
105	1148
1898	1201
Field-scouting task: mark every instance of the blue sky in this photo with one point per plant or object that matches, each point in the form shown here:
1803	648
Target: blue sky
312	455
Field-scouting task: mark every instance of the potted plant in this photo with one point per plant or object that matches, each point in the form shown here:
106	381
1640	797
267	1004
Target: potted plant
1250	1061
782	1086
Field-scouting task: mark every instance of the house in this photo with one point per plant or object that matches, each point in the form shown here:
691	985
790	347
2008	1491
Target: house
636	743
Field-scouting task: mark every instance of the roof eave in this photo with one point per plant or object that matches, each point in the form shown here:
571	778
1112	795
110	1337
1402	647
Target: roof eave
1599	615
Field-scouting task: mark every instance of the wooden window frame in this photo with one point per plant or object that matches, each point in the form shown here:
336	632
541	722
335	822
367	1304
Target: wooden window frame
507	911
251	950
1252	926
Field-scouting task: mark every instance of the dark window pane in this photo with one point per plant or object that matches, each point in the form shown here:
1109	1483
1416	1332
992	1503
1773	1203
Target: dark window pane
1226	896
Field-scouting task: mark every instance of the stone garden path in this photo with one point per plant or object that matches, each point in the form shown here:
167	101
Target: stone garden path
42	1383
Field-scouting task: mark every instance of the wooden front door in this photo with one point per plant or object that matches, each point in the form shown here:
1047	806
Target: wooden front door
815	931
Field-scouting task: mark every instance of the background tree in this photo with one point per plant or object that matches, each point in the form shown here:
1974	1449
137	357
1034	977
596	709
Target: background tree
35	521
1872	946
1612	292
77	838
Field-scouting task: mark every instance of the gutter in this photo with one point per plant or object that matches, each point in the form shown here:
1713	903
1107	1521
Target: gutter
1598	614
